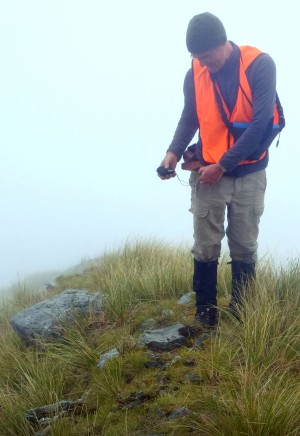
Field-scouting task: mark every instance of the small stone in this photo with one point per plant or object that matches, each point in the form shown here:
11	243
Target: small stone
199	342
182	411
187	298
50	285
155	364
168	313
176	360
135	400
167	338
51	410
112	354
147	325
161	413
192	378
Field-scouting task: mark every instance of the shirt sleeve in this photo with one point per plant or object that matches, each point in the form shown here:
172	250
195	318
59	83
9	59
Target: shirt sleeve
188	122
262	79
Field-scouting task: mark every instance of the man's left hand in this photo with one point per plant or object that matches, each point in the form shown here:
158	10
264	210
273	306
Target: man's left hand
210	174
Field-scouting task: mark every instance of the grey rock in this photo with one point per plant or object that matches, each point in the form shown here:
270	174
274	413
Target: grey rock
199	342
112	354
177	413
136	400
155	364
45	320
148	324
175	360
50	285
181	411
187	298
161	413
167	313
167	338
192	378
40	414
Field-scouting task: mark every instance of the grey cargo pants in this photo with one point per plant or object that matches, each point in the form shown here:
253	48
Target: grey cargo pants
244	199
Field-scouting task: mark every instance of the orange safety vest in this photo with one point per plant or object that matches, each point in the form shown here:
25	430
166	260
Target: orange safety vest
215	136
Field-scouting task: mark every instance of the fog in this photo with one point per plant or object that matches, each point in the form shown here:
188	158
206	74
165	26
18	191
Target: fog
90	96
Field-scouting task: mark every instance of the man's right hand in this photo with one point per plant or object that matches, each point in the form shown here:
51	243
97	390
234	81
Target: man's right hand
169	161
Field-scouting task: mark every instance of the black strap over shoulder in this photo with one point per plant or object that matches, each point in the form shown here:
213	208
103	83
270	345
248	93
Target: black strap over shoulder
269	134
220	105
280	113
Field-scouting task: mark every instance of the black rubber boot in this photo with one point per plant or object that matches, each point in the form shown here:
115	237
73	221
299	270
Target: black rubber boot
242	276
205	286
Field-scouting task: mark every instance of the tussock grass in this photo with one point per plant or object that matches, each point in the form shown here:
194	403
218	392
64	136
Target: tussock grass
253	367
249	372
20	296
138	271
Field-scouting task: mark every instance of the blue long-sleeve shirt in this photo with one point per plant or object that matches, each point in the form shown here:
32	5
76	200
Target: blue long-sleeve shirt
261	75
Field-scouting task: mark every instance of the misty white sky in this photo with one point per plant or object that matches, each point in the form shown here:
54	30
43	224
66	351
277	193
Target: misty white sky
90	95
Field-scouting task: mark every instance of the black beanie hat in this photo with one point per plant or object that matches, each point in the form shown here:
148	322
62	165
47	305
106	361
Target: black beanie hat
205	32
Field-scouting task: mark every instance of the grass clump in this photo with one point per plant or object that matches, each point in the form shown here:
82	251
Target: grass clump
140	271
244	380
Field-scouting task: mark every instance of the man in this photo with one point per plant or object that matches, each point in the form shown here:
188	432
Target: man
230	97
